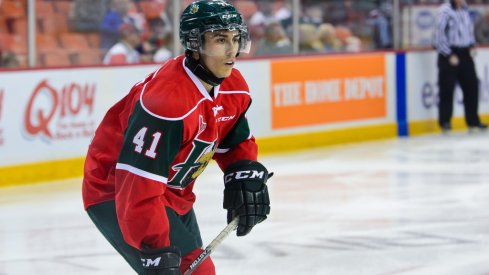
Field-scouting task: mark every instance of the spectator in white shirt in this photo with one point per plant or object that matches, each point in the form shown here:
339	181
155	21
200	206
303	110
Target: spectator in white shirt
124	52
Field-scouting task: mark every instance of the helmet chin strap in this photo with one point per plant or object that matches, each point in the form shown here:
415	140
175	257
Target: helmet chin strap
201	71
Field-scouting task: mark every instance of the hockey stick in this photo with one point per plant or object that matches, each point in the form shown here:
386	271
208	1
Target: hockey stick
212	246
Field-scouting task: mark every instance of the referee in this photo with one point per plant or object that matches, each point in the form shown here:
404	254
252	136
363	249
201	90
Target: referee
454	40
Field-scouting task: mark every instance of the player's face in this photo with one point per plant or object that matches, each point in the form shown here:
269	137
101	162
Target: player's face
219	52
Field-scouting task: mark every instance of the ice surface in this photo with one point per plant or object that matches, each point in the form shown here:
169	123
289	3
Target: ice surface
417	206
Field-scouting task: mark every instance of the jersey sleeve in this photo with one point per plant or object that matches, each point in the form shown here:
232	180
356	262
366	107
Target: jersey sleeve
238	144
150	145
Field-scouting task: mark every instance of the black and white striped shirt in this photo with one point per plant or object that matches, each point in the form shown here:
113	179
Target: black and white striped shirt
454	28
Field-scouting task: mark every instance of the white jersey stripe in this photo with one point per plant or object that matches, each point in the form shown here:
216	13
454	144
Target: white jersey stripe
142	173
234	92
222	151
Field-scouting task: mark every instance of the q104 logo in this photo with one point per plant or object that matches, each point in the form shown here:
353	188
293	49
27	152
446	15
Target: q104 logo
430	91
55	113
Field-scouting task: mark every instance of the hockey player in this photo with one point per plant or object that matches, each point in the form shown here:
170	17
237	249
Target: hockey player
150	147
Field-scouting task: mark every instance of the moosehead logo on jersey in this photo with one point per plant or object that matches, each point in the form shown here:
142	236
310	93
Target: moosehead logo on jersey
194	165
216	109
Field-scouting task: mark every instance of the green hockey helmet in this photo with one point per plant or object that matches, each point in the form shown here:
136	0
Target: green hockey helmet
208	16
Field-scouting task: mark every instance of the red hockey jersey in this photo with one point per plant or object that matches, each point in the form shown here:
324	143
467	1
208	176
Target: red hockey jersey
151	146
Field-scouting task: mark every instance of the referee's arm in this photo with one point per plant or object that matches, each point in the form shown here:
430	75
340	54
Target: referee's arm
441	35
472	35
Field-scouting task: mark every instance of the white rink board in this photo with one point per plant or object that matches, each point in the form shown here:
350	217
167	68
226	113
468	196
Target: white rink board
262	125
257	75
422	85
51	114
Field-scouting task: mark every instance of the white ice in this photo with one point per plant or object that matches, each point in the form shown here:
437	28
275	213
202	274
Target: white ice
417	206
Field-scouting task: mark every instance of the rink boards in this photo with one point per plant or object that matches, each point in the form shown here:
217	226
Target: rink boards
47	117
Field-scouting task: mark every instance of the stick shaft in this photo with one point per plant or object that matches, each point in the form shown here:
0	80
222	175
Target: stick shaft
212	246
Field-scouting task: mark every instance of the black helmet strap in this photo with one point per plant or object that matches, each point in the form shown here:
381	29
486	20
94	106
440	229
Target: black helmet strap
200	70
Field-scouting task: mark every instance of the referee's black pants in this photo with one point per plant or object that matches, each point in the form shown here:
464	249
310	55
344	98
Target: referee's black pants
466	76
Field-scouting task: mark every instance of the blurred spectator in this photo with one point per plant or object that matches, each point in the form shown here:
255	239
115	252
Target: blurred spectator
263	15
348	12
326	33
137	18
382	36
270	11
482	29
275	42
8	59
162	26
353	44
308	39
351	14
313	15
86	15
267	12
162	54
113	19
125	52
160	40
342	33
283	11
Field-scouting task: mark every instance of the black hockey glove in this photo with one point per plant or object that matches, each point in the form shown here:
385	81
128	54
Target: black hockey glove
246	194
164	261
